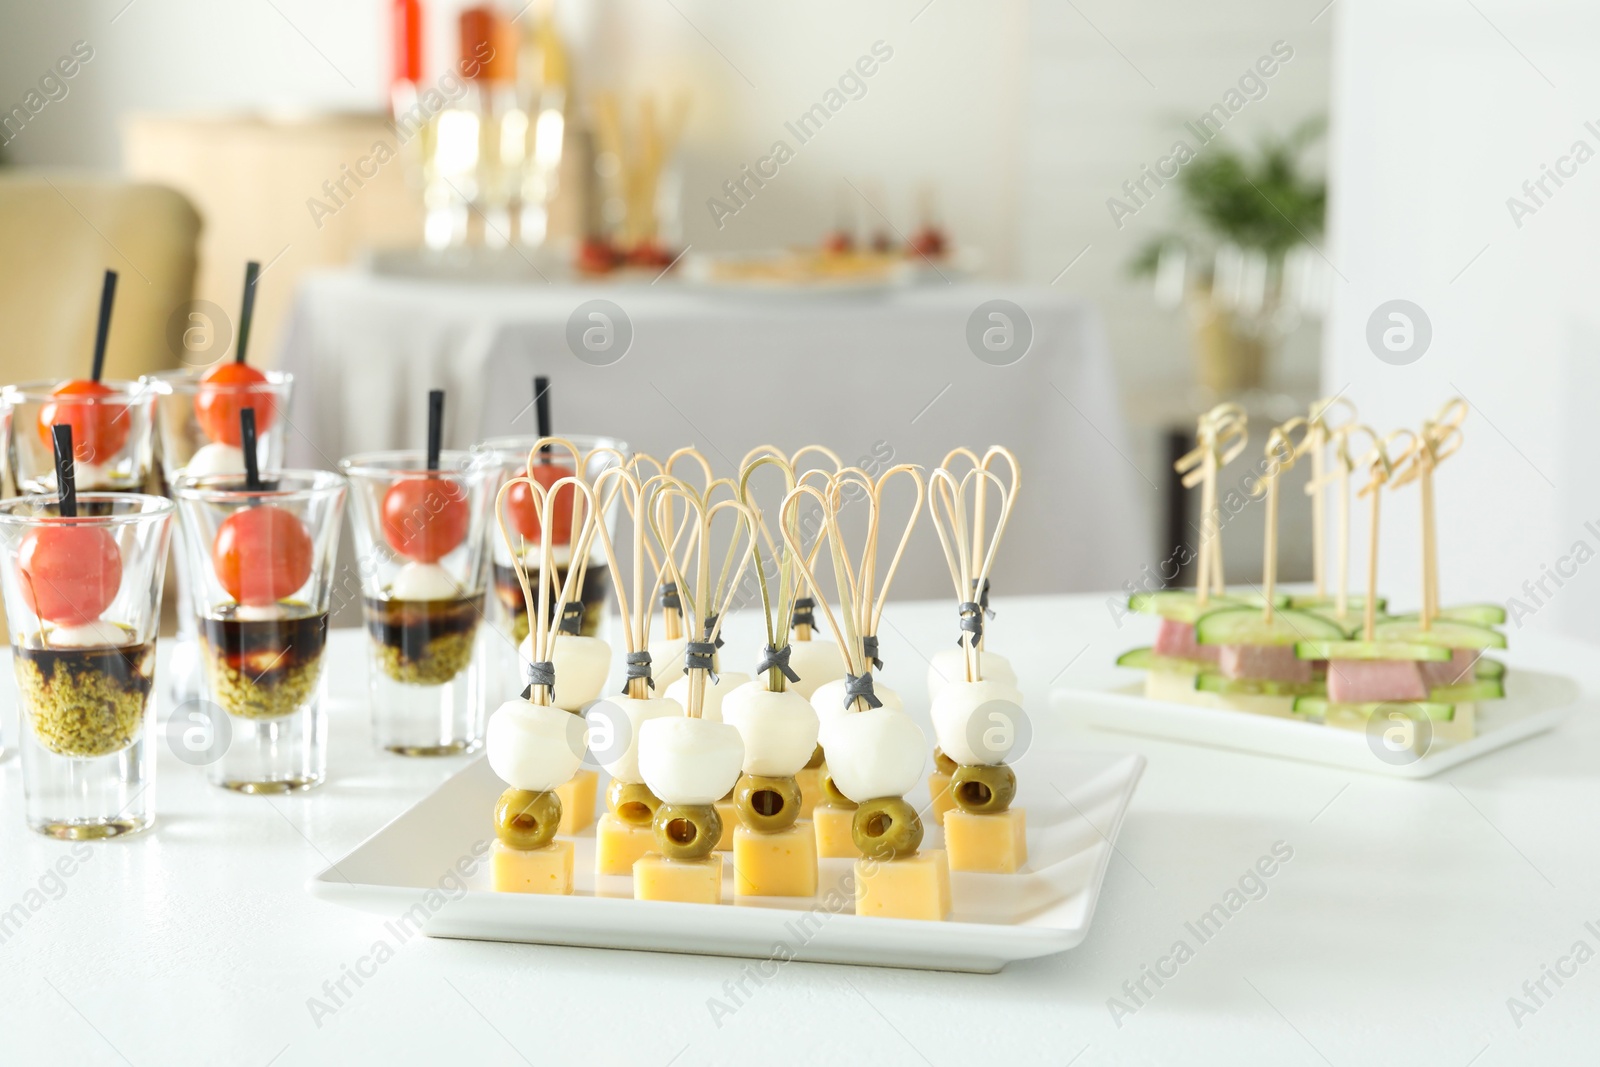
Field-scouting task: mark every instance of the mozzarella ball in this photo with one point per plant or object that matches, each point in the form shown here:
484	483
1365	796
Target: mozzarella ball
581	664
533	746
716	692
815	661
779	729
689	761
828	700
614	731
950	665
967	732
423	581
215	458
873	754
96	634
666	660
86	476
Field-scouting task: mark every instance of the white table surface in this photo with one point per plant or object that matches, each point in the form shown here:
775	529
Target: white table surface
883	377
1408	914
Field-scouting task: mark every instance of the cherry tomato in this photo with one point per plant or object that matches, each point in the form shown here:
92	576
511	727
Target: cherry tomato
224	392
70	574
425	517
261	555
99	427
523	509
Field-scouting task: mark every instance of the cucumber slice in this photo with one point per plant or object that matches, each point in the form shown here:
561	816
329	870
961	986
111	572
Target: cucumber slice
1469	692
1354	605
1484	667
1246	626
1179	605
1145	659
1322	707
1211	682
1369	650
1476	614
1443	632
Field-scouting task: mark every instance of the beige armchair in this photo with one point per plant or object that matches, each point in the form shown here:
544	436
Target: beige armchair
58	233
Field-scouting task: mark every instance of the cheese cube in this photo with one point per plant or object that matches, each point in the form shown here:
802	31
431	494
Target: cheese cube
912	887
1463	727
832	825
534	870
577	801
939	790
781	864
809	779
996	843
688	881
730	818
618	844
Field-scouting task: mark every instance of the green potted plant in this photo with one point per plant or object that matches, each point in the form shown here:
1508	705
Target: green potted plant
1245	217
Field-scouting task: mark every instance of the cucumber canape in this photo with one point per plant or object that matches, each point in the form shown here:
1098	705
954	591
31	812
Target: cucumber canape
1246	626
1369	650
1146	659
1465	692
1443	632
1211	682
1353	605
1180	605
1321	707
1484	667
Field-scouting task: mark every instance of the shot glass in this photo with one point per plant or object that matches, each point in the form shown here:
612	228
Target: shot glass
507	611
112	435
83	598
261	565
421	539
197	433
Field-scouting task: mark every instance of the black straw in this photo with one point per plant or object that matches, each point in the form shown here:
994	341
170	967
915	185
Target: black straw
435	426
541	408
108	293
247	441
252	271
66	471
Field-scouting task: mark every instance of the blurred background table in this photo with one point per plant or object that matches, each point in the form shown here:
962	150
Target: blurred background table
883	376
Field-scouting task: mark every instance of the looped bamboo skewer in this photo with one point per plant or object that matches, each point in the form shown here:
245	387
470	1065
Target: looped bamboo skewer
541	632
671	615
1343	466
868	596
1281	452
1381	467
703	515
980	519
830	500
777	621
636	613
1440	439
581	463
968	569
1220	438
1319	435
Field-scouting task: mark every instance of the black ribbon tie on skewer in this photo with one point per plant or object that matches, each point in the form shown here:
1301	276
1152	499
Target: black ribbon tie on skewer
571	618
698	655
869	650
779	658
803	613
860	686
971	612
541	673
639	667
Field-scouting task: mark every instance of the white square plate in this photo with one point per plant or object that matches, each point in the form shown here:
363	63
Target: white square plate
1534	702
1075	804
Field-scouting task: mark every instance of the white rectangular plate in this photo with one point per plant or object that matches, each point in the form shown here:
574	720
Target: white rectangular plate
1075	804
1534	702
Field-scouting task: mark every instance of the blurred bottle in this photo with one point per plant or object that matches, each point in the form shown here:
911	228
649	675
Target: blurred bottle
543	89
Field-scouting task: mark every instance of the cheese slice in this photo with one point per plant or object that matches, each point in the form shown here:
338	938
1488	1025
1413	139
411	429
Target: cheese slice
536	870
687	881
912	887
997	844
781	864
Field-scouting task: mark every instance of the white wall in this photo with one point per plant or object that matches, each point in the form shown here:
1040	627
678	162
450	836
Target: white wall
1441	113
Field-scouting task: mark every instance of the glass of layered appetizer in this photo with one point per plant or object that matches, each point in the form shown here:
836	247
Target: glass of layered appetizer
261	554
82	575
421	522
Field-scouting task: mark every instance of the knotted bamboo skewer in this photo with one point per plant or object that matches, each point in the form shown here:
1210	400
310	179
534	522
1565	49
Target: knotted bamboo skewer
1221	436
1441	437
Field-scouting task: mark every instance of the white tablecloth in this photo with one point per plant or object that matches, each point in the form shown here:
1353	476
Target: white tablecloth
1407	916
873	375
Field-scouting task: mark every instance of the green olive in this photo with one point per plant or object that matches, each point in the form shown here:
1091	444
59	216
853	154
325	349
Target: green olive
830	792
942	763
632	802
765	804
983	790
816	758
526	820
886	828
687	831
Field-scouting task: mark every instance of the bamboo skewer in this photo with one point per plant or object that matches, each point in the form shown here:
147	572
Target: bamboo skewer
1220	437
1441	437
1281	452
1320	435
969	570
